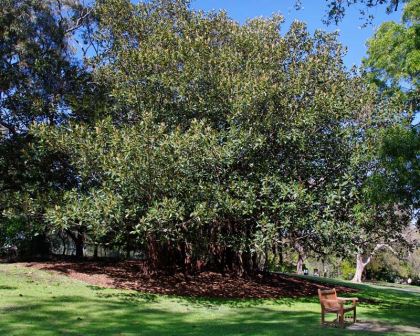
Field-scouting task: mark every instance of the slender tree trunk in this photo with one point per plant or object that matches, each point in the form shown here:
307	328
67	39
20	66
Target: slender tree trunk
301	258
63	241
95	251
266	259
255	266
187	258
79	247
240	264
281	259
247	262
152	253
128	247
299	264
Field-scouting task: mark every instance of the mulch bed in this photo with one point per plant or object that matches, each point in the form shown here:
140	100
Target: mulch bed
131	275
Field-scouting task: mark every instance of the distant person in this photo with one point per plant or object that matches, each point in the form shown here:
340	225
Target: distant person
316	272
305	272
409	281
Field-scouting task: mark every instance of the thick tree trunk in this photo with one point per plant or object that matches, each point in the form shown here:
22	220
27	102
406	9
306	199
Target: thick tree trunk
79	242
362	260
361	263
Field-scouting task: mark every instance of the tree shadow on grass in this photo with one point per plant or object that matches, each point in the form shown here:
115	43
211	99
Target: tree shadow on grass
5	287
96	288
395	306
136	297
76	315
242	303
117	312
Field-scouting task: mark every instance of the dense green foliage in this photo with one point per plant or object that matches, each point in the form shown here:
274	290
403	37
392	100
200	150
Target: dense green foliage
394	56
199	141
40	81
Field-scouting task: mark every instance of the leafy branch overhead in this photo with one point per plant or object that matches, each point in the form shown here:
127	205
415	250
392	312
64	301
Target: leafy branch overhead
337	9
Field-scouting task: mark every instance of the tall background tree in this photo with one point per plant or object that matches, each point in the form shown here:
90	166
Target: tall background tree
41	82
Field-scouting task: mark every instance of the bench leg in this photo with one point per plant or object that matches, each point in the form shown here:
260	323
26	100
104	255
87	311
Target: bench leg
341	321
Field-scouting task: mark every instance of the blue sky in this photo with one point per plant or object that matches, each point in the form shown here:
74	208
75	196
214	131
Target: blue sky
351	33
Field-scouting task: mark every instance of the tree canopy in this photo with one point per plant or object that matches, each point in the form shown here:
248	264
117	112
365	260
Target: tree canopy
201	141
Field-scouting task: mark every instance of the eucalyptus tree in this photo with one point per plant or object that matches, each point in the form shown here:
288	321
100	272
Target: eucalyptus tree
393	54
391	192
41	81
40	75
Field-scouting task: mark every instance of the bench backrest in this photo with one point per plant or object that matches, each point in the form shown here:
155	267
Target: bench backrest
330	295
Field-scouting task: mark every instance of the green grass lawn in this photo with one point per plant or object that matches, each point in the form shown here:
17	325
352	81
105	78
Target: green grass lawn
43	303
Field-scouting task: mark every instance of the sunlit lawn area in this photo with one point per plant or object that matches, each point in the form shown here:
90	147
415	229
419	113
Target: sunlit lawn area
36	302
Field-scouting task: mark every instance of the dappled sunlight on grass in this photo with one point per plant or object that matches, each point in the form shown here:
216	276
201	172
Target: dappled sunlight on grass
41	303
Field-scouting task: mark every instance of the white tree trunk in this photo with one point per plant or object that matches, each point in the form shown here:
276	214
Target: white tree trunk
299	265
361	263
362	260
301	258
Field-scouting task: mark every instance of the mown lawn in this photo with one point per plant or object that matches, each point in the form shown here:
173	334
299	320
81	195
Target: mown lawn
36	302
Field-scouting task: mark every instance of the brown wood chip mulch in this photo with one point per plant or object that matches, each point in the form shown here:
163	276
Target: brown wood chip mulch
131	275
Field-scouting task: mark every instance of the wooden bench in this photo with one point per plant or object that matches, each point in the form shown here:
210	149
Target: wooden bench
330	303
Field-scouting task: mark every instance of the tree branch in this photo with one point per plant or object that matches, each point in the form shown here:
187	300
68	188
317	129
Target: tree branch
79	21
382	246
9	127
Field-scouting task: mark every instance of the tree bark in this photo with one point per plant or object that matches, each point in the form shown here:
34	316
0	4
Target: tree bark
301	258
361	263
79	242
362	260
63	241
79	246
95	251
281	259
299	265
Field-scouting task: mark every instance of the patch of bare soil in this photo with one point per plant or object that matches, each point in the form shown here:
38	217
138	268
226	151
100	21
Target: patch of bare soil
375	326
132	275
